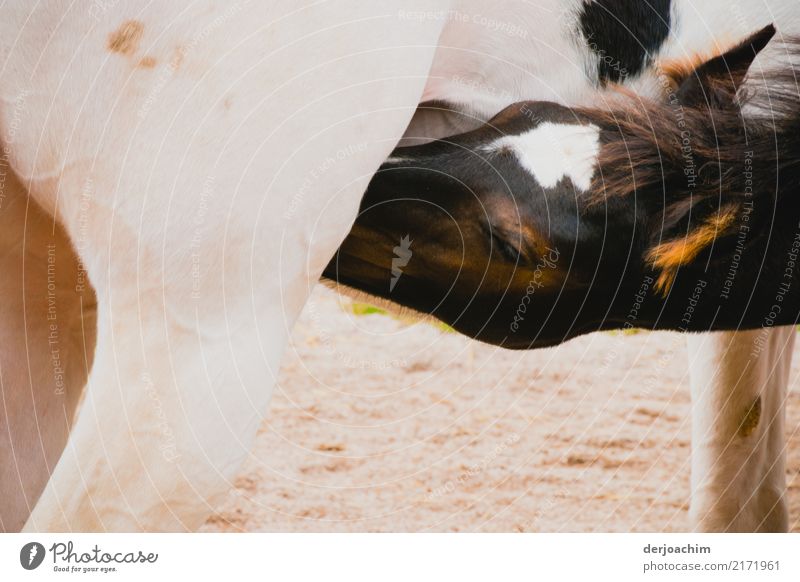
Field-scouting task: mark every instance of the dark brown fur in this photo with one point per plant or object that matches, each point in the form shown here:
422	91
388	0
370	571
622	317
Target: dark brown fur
689	152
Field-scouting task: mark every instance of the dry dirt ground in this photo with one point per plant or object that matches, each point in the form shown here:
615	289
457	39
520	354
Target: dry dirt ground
380	424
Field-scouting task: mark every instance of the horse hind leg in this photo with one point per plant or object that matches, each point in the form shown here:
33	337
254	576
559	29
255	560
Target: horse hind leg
738	383
46	346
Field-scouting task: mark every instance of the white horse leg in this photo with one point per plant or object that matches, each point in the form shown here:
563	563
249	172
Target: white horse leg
246	174
738	383
46	346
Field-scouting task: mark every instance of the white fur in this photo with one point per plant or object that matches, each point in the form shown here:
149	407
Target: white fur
482	70
738	481
553	151
207	154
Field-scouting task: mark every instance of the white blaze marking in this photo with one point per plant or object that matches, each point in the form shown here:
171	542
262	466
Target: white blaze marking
551	151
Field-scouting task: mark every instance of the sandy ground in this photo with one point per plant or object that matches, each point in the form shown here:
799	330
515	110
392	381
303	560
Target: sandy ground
384	425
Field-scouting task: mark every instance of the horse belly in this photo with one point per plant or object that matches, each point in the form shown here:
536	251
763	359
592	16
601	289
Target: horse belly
271	115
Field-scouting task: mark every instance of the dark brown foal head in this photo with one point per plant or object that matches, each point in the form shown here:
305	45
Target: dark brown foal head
549	222
481	226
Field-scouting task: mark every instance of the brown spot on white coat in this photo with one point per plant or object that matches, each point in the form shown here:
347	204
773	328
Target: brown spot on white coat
147	63
751	419
125	40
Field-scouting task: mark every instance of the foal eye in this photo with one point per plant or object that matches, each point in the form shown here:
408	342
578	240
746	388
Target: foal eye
505	248
499	241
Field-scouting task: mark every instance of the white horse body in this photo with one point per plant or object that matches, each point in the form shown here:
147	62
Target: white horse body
207	160
200	238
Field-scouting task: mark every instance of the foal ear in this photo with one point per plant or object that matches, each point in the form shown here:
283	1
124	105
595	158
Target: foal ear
716	81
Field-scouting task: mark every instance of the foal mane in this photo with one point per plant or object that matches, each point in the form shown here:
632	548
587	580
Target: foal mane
704	162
